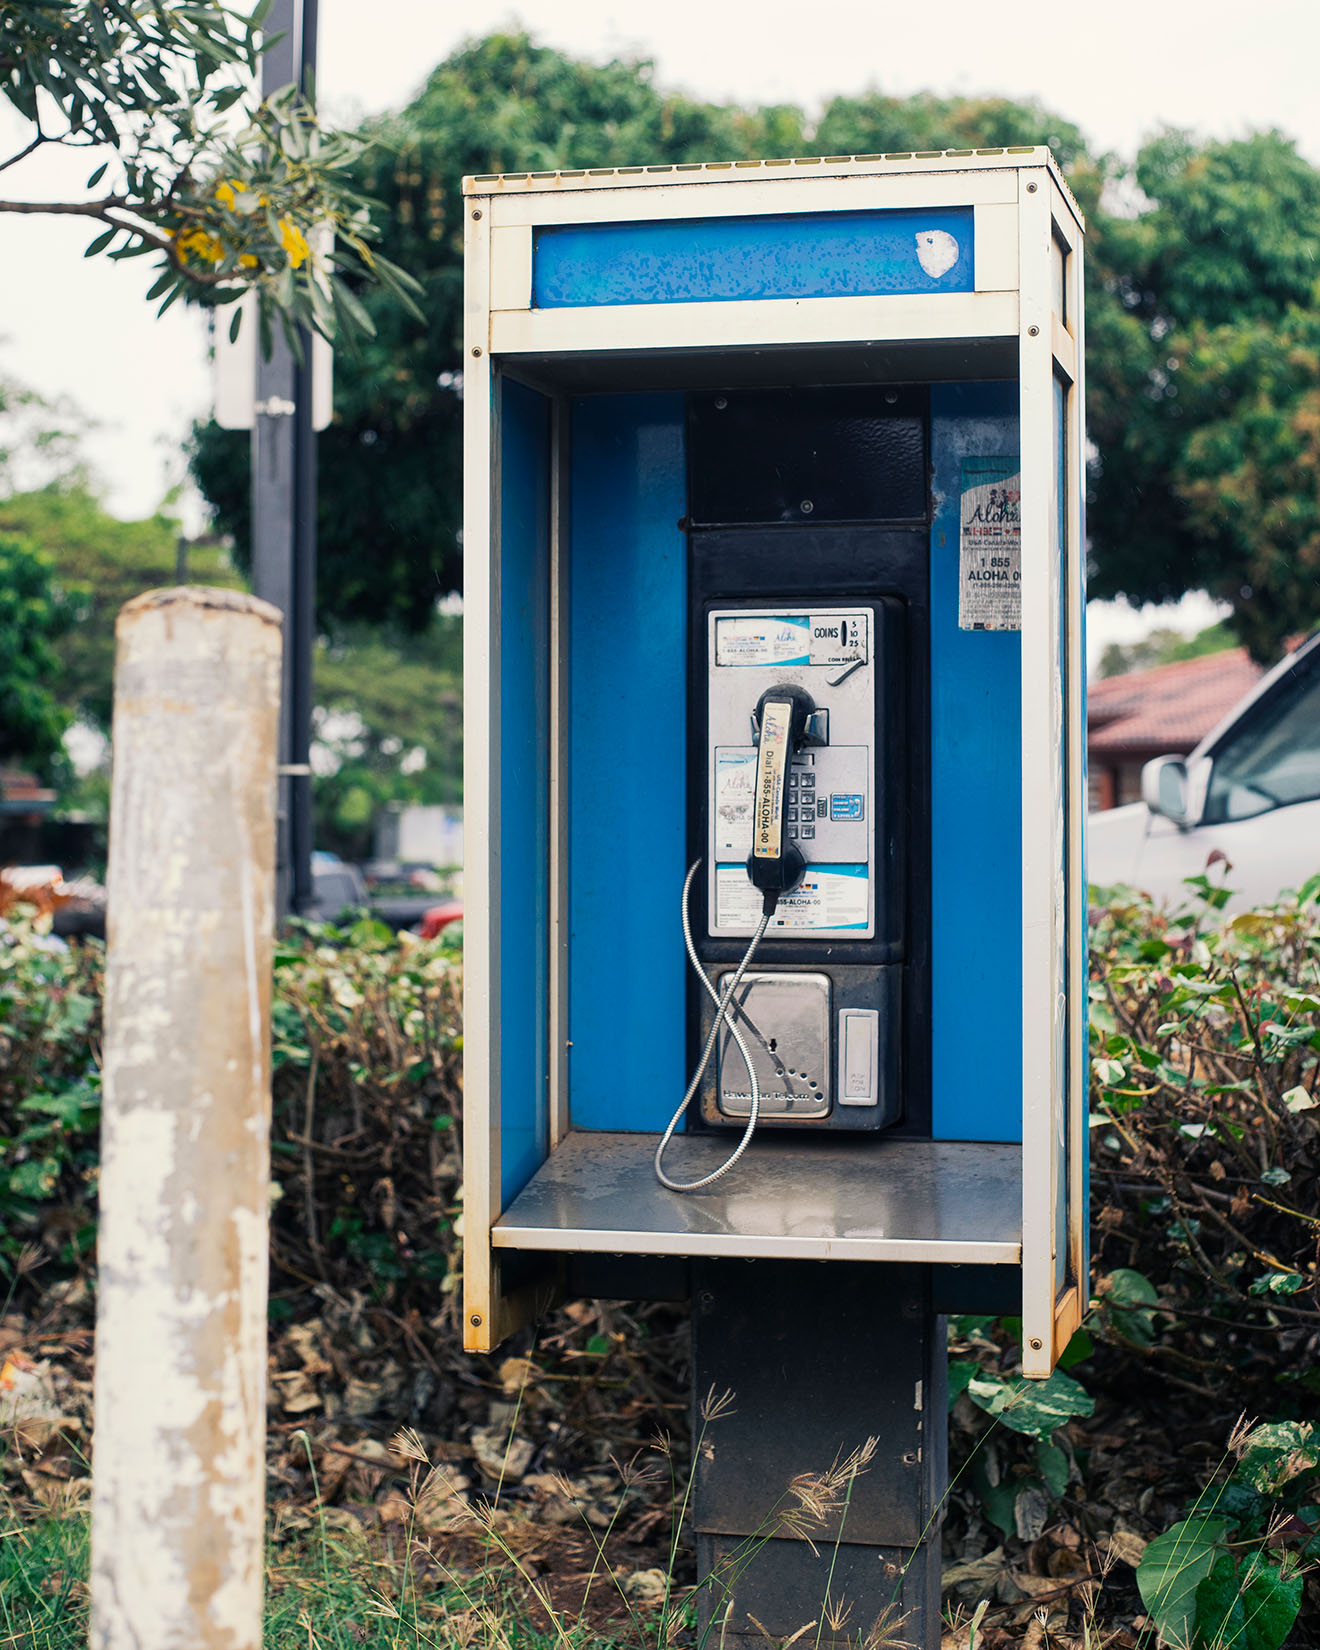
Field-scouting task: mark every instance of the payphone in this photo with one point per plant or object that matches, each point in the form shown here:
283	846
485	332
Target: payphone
750	626
803	788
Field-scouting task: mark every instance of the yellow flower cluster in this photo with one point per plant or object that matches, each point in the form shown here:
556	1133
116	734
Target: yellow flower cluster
294	243
200	244
196	243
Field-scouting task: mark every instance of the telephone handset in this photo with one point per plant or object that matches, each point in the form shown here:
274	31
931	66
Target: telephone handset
800	839
784	720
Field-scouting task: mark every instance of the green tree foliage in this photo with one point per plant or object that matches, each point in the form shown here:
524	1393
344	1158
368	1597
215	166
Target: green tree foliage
103	562
1202	361
38	439
33	613
874	124
389	728
1164	646
1202	330
389	507
228	189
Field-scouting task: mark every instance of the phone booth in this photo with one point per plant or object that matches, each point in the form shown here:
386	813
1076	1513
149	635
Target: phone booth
775	753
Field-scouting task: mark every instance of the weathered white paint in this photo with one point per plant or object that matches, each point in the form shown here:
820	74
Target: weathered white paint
937	251
179	1469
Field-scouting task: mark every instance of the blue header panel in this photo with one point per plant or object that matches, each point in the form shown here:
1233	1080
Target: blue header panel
976	798
628	602
705	260
523	423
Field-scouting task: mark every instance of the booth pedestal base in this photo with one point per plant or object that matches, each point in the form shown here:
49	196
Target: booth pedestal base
796	1366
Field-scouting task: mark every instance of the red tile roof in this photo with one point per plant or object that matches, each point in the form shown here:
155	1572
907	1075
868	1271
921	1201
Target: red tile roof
1169	708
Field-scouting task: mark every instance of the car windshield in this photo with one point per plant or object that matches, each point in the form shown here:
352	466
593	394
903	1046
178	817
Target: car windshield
1273	758
336	890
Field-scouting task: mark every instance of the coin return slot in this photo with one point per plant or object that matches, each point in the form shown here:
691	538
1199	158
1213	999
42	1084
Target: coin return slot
793	1065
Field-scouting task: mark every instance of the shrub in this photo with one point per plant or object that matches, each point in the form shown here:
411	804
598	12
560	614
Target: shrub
366	1105
1206	1140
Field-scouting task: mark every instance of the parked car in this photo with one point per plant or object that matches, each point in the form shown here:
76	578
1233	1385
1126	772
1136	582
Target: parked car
337	887
436	918
1250	792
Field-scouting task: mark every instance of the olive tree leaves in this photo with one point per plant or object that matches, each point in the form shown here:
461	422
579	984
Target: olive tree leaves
232	192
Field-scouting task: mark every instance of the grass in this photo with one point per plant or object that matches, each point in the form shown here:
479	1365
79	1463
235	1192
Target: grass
331	1585
43	1578
326	1589
431	1569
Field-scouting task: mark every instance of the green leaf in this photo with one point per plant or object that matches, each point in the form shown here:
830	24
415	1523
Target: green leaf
1220	1619
347	306
370	932
1079	1347
1128	1298
36	1178
1053	1464
1032	1407
961	1373
1278	1283
1237	1503
76	1014
1271	1599
1172	1567
1310	890
1278	1452
101	242
998	1501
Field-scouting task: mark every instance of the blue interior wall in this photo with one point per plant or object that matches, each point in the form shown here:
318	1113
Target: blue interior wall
523	538
976	805
713	260
627	781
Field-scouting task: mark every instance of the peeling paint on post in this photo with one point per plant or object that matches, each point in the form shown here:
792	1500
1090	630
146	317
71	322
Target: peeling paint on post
180	1396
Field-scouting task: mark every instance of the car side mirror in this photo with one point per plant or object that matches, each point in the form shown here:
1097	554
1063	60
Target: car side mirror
1164	788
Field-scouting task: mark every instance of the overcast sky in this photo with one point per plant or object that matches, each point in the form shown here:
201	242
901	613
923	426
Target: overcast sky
81	329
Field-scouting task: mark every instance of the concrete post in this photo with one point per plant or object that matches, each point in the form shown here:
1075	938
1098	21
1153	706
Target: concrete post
178	1472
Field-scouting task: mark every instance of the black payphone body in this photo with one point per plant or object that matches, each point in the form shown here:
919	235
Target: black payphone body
808	573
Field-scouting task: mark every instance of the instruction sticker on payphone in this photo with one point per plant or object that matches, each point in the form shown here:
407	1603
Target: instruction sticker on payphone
828	653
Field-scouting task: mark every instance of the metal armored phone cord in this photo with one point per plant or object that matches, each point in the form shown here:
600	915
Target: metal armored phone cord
723	1001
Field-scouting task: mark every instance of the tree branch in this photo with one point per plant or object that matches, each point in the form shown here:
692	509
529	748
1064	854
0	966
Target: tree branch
24	152
103	211
78	209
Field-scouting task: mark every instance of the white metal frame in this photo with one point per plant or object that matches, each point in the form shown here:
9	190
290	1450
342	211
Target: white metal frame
1021	203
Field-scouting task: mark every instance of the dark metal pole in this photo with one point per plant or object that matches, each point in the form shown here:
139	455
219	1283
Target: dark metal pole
302	620
284	512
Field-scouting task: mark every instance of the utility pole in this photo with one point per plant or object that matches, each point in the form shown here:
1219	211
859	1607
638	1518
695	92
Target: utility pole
284	508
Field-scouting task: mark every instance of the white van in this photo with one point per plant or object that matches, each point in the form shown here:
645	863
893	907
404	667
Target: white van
1249	791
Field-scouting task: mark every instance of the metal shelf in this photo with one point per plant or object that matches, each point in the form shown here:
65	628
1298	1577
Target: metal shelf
794	1198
